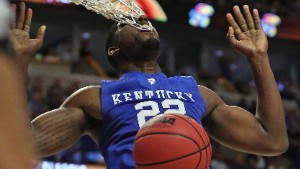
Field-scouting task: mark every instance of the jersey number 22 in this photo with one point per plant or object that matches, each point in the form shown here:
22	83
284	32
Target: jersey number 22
154	109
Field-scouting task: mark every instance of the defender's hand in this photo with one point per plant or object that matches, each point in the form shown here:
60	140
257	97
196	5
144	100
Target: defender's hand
246	36
22	44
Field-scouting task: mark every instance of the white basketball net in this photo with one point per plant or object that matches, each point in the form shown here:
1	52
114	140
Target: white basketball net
122	11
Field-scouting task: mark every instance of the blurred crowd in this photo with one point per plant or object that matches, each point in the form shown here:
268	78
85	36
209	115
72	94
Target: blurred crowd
82	61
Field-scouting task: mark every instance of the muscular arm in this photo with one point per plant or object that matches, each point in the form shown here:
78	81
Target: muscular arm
265	133
15	142
59	129
239	129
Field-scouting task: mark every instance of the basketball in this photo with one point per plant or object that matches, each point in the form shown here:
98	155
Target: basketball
172	141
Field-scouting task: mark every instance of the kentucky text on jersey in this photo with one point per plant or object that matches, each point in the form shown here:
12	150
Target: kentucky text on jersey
150	94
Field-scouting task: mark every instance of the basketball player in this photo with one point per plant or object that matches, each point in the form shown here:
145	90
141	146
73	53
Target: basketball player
111	114
15	143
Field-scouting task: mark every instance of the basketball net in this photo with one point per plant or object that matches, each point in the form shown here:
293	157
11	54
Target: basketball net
121	11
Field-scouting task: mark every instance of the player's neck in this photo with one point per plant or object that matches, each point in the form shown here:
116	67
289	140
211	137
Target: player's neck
149	67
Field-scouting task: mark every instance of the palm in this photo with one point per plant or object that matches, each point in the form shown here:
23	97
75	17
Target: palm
22	44
246	36
251	43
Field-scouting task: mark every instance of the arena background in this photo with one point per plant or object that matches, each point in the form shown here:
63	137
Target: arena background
75	40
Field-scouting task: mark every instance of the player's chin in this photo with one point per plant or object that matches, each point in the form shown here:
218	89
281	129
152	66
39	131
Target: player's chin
151	43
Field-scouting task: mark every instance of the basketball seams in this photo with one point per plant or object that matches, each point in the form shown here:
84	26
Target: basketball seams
198	134
177	158
169	133
188	135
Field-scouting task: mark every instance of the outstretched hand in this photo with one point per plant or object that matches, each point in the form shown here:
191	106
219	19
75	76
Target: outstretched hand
22	44
246	35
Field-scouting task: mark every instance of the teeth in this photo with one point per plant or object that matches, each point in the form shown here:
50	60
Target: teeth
146	26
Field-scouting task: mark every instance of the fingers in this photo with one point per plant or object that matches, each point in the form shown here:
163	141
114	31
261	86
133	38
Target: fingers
257	19
41	34
233	24
230	36
13	18
249	17
240	18
21	18
28	20
24	20
241	25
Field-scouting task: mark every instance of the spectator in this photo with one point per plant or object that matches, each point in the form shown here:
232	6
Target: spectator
238	162
293	127
218	160
64	50
277	163
55	95
51	55
72	88
255	162
36	104
88	65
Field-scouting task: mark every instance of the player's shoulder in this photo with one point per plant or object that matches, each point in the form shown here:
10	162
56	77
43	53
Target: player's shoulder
183	77
88	89
84	95
207	92
86	99
204	88
188	81
210	97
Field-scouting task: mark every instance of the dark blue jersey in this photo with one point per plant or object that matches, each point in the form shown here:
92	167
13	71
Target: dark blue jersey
135	98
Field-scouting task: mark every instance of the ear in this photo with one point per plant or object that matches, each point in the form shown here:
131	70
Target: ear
113	50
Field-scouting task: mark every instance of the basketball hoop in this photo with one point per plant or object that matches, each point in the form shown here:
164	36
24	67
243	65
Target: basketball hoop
122	11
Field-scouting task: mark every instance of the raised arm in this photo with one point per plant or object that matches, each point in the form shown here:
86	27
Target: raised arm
59	129
23	46
15	142
265	133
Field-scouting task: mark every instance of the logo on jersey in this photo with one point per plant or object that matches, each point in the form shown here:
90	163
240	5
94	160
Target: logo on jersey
151	81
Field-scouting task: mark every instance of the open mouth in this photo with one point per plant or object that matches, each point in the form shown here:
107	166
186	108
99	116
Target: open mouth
146	26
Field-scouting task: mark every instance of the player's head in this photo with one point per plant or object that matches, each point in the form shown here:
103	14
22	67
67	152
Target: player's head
128	44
